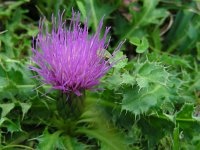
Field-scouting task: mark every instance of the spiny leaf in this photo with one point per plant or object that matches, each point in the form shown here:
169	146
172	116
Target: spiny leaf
111	140
10	125
137	101
114	80
49	141
117	79
188	124
186	111
25	107
120	64
107	135
142	82
6	108
150	73
128	79
72	144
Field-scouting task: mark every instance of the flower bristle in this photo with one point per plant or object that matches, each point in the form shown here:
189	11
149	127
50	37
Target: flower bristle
69	59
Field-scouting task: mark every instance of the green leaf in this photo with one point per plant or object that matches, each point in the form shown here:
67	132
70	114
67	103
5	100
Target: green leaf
186	120
82	8
138	101
96	10
6	108
108	139
10	125
142	82
25	107
176	139
8	91
128	79
117	79
3	82
72	144
114	80
135	41
49	141
198	50
185	112
142	45
104	133
151	72
149	14
13	126
120	63
156	129
153	88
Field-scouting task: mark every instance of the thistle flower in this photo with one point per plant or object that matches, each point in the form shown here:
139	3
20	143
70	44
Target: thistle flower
69	59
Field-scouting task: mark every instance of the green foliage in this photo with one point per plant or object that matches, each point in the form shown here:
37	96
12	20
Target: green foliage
50	141
184	29
142	45
94	10
150	98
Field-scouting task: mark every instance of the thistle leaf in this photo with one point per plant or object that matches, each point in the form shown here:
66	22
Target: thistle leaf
6	108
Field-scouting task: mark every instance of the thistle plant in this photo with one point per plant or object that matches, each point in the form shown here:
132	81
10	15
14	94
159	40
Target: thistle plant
69	59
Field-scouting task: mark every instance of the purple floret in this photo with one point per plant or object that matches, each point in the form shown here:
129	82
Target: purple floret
70	59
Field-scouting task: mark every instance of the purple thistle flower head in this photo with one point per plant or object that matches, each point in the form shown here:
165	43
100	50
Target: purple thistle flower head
70	59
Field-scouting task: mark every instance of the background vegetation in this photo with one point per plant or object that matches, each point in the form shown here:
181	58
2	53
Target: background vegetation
151	99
